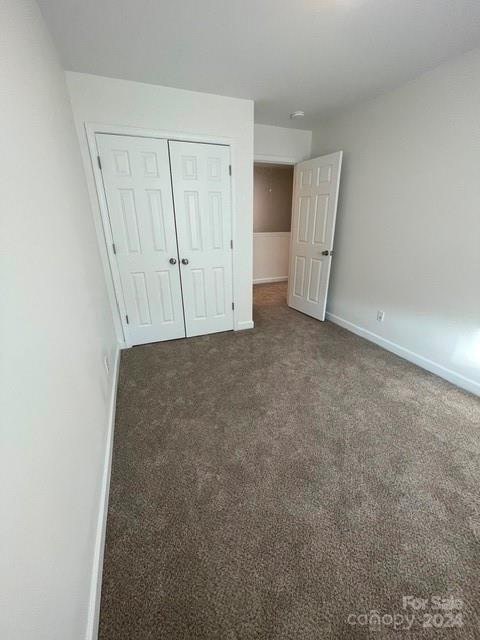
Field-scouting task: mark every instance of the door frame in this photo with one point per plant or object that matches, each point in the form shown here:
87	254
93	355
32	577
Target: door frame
276	160
102	219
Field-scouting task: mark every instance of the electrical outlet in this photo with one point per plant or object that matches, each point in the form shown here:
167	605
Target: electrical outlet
106	363
380	316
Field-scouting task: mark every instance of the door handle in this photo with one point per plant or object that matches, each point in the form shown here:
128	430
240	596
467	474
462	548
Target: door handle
173	261
184	261
327	253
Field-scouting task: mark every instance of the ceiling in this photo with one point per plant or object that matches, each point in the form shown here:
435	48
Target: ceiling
315	55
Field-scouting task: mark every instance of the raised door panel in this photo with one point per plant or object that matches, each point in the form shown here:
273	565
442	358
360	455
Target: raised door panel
299	276
136	176
315	194
202	196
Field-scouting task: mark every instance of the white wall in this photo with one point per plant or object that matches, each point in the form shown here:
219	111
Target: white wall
291	145
270	256
56	327
148	108
408	228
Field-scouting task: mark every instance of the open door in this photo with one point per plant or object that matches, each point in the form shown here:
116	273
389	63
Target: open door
314	209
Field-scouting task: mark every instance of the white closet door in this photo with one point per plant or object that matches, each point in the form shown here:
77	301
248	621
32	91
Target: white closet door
314	210
202	197
136	176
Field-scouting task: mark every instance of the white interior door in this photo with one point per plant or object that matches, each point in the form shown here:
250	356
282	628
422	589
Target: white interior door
136	176
314	209
202	197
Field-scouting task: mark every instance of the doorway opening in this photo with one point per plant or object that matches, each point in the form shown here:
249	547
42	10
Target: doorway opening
302	254
272	213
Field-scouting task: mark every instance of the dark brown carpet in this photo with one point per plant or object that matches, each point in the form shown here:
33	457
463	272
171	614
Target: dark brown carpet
283	482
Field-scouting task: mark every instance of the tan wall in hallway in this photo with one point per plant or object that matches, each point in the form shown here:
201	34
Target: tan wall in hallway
272	203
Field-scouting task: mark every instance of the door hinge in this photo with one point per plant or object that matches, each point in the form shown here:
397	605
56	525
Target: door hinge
231	244
114	248
233	306
126	318
230	169
99	163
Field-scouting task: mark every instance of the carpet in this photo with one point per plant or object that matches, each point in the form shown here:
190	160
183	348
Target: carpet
290	482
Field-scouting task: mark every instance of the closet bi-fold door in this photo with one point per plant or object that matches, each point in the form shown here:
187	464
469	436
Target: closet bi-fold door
136	177
202	199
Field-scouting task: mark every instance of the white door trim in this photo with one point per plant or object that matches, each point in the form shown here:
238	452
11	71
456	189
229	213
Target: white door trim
102	224
275	159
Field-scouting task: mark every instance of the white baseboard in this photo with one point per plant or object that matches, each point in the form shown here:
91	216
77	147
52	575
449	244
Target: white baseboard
438	369
265	280
97	567
244	324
